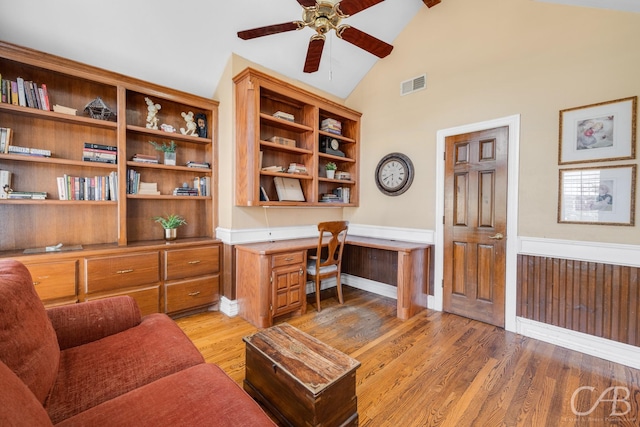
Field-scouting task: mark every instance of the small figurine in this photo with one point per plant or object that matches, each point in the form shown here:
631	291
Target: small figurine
201	121
167	128
152	120
191	124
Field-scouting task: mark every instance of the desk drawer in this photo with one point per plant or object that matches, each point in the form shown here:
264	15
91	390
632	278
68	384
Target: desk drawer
288	258
192	293
194	262
54	280
117	272
148	299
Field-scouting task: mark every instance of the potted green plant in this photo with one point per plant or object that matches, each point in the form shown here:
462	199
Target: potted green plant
169	151
331	169
170	223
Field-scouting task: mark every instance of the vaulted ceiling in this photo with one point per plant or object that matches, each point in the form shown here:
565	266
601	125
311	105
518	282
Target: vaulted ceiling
187	45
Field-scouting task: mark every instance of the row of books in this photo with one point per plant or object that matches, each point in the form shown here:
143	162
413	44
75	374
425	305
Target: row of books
28	151
145	158
24	93
339	195
88	187
99	153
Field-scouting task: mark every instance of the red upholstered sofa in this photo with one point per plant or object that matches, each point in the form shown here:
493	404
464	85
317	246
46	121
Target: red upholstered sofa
100	364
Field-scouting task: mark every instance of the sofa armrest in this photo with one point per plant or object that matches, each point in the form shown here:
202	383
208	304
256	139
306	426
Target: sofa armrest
82	323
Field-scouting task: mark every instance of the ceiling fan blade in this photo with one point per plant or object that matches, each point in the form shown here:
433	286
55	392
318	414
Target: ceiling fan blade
314	54
307	3
268	30
351	7
365	41
431	3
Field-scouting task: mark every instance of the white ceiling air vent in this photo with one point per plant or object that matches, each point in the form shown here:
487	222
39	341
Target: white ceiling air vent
413	85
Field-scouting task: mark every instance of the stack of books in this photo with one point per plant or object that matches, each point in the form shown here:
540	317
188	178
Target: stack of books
148	188
65	110
35	195
297	168
186	191
283	141
273	169
24	93
201	165
331	126
286	116
145	158
100	153
6	135
330	198
26	151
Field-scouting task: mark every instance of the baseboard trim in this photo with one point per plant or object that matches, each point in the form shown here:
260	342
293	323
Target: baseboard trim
613	351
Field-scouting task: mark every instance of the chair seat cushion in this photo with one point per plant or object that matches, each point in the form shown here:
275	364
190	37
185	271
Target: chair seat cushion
311	268
199	396
101	370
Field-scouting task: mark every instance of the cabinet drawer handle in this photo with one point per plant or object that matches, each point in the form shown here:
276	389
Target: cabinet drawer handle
36	283
194	294
289	259
129	270
194	262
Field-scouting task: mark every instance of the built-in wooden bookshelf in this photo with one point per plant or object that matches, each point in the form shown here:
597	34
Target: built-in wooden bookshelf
260	96
122	223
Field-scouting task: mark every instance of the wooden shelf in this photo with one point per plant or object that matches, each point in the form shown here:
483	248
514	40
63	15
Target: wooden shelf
258	97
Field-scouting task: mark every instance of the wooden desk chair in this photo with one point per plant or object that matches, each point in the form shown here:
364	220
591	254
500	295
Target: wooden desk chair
318	268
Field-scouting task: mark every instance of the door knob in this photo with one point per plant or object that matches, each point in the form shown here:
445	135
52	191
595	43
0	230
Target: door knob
497	236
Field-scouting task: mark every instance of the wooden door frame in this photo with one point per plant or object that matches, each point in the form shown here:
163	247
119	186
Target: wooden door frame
513	123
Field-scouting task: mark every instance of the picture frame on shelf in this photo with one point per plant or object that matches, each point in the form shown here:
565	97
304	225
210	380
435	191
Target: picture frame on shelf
597	195
604	131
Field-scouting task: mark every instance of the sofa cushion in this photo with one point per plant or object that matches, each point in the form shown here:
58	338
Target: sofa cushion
101	370
28	343
199	396
18	405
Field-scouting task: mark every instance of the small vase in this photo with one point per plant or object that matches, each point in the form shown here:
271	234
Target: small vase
170	159
331	174
170	234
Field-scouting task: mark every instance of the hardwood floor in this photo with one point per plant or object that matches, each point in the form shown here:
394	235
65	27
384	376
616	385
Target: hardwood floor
439	369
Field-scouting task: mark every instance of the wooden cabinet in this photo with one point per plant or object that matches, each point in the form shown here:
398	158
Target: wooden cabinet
192	278
270	284
264	139
123	217
120	246
55	282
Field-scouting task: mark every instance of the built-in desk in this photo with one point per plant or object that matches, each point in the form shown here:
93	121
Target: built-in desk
271	276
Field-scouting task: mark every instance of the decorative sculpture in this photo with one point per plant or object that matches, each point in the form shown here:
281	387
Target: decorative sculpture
152	120
97	109
192	127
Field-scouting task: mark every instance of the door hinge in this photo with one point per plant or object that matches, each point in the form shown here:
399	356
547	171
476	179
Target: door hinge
443	219
442	285
444	156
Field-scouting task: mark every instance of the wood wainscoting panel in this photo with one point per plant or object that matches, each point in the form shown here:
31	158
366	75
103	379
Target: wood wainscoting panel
589	297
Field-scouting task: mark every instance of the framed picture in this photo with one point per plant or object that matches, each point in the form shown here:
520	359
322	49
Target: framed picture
598	195
598	132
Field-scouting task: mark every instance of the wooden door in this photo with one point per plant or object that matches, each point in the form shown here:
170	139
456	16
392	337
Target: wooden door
475	224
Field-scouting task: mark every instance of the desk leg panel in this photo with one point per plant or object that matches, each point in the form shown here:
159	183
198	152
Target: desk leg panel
252	281
413	280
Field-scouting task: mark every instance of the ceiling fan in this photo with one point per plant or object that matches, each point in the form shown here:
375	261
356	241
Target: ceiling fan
324	16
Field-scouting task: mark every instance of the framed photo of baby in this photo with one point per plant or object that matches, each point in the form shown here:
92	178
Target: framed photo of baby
598	132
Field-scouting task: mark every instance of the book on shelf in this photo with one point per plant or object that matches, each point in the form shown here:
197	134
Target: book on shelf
288	189
99	155
22	100
283	141
343	175
27	195
297	168
273	169
104	147
283	115
145	158
65	110
26	151
263	195
14	93
202	165
97	188
6	135
133	181
5	183
186	191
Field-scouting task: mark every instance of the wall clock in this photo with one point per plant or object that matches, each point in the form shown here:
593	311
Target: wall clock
394	174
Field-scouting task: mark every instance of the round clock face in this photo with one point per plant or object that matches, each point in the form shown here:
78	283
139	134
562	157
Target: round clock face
394	174
335	144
